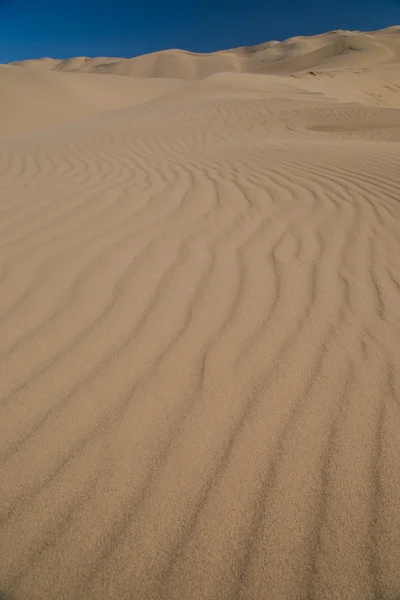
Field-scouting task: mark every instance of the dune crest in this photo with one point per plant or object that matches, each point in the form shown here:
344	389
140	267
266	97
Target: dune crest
342	48
200	325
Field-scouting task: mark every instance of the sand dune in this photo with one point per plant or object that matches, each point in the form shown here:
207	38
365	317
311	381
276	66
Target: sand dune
33	100
200	331
342	48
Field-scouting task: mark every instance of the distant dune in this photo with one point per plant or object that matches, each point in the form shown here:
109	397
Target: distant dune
348	66
337	48
200	324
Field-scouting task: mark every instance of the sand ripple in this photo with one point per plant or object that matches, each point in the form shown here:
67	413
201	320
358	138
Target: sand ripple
199	351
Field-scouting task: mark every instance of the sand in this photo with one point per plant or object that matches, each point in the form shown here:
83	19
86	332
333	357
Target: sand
200	324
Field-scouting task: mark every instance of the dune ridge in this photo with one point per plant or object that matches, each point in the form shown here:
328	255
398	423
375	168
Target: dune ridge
345	48
199	331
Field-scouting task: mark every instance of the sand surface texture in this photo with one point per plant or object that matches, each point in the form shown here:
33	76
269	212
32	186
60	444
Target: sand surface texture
200	324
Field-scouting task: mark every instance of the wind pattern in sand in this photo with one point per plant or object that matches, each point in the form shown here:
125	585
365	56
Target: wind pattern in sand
200	350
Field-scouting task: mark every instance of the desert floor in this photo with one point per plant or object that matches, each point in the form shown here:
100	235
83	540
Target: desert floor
200	326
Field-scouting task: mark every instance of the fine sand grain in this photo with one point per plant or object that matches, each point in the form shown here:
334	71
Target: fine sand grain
200	325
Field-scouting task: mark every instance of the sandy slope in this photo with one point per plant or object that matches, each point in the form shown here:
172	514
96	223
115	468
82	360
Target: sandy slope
200	338
336	48
33	100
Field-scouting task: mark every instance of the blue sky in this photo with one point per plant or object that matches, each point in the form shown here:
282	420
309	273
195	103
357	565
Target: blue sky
65	28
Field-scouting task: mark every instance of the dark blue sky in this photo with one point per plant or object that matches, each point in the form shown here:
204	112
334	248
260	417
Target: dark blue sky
64	28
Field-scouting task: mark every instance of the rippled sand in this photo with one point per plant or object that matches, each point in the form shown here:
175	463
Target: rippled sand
200	339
